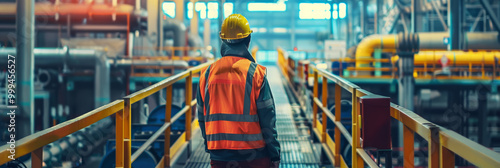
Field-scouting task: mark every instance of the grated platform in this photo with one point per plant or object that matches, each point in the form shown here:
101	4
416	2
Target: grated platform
296	149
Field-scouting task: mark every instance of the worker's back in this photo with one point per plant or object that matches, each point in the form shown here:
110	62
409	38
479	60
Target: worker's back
235	105
230	104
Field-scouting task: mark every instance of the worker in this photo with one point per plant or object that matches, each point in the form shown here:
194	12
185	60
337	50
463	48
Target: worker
236	109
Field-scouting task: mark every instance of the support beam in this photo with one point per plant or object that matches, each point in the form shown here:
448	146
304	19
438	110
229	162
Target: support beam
378	16
179	10
487	7
416	16
25	66
363	17
194	21
159	23
455	17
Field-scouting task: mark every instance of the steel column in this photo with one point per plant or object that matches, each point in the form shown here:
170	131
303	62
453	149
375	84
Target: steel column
24	45
195	20
152	20
455	17
378	16
416	16
179	10
159	24
406	81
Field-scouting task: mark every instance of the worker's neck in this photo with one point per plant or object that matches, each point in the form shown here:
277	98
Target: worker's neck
238	50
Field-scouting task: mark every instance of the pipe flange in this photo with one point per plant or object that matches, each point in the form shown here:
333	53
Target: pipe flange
408	44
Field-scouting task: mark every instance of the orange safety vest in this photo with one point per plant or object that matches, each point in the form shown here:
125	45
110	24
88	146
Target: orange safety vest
229	89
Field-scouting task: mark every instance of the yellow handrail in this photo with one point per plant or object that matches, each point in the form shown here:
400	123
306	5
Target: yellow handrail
443	144
124	156
34	143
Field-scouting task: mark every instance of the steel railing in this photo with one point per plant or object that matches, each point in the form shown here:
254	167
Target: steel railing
427	66
122	108
443	144
124	156
34	143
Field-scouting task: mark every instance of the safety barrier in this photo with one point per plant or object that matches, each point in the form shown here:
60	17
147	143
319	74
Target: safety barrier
473	65
124	157
443	144
122	108
34	143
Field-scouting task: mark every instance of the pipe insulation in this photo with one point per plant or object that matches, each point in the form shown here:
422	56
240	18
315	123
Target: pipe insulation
179	30
74	58
427	41
462	58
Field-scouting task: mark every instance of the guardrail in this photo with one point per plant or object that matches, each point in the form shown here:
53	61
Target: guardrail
34	143
124	157
443	144
122	108
482	65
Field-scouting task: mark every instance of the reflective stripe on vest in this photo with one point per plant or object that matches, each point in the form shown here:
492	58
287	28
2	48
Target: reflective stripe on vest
231	120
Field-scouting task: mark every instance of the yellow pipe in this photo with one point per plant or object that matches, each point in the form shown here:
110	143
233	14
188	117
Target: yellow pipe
368	45
455	57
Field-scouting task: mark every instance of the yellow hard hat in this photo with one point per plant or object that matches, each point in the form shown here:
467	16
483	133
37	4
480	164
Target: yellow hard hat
235	27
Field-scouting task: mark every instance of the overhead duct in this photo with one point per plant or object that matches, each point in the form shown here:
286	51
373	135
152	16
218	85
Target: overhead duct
74	58
179	30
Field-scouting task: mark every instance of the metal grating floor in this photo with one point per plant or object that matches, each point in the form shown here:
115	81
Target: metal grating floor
296	150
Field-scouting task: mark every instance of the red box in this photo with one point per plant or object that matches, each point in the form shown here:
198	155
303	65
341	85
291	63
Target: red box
376	122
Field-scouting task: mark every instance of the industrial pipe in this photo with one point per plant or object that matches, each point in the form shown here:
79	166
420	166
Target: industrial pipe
473	41
25	32
368	45
73	58
455	57
80	144
179	30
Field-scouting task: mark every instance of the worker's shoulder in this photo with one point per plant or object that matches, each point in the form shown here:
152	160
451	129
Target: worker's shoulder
260	68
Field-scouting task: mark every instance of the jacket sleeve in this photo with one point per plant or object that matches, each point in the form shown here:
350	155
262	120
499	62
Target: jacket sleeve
201	117
267	118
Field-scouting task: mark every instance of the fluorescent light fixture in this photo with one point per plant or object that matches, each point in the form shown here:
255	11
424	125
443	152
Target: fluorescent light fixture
168	8
266	7
213	10
342	10
280	30
314	11
335	14
262	30
228	9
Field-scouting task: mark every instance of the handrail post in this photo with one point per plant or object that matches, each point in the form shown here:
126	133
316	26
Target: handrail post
119	139
168	116
356	160
433	145
37	158
408	147
338	97
300	72
315	106
447	157
324	94
189	86
127	138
